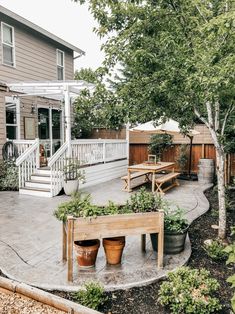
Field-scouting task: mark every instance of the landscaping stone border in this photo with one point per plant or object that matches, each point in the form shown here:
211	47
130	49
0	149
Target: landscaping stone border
44	297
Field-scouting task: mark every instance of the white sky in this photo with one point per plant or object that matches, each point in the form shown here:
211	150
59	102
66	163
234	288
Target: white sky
66	19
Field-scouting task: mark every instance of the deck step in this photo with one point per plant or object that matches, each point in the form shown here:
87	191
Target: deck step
43	171
37	184
41	177
36	191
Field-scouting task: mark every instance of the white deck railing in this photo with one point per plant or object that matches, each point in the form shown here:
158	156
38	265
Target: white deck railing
91	152
88	152
22	145
56	165
28	162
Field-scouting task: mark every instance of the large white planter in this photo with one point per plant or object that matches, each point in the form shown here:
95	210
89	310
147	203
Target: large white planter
71	186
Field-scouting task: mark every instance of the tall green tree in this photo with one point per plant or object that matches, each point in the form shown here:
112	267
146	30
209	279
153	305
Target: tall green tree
99	108
178	60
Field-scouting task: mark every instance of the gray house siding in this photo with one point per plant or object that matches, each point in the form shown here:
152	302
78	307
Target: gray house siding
35	57
2	121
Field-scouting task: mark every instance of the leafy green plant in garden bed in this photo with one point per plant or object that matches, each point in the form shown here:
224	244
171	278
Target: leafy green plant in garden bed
143	201
92	295
81	206
174	221
190	291
215	250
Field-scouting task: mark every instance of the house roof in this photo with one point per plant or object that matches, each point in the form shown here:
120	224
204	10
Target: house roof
39	29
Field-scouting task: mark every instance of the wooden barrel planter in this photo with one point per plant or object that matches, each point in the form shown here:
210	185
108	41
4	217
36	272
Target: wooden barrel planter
206	170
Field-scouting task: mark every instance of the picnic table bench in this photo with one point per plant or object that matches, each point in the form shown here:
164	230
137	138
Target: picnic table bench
148	169
134	176
172	176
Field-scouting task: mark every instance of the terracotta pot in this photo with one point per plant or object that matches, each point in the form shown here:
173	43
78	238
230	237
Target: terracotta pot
113	248
87	252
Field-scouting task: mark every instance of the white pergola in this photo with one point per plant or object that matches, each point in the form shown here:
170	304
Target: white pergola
57	90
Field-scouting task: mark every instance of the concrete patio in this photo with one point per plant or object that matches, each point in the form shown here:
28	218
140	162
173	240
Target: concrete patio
31	241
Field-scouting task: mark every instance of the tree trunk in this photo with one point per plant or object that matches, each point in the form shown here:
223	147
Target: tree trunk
220	158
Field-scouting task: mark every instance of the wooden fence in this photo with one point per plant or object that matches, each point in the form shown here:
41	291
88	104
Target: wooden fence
139	153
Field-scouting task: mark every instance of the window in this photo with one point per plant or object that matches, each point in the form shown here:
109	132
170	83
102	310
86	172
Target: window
60	64
12	118
8	45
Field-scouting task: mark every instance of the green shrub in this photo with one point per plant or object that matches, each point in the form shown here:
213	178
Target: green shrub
91	296
215	250
144	201
9	178
230	250
190	291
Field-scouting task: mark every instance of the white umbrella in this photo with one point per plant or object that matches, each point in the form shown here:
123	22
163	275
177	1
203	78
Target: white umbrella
170	126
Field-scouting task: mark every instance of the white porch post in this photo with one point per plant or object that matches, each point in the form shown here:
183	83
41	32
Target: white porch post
67	110
128	140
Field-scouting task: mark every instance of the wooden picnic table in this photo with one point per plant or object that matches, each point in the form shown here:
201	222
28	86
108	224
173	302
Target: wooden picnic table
151	168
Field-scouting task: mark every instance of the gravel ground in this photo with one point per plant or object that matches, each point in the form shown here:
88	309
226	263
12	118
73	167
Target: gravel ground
12	303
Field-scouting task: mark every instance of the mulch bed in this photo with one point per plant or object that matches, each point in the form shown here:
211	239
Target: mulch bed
145	299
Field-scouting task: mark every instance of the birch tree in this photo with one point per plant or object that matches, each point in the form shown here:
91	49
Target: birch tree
178	60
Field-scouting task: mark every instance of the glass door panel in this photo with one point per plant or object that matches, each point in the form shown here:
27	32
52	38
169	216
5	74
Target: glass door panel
44	130
56	129
43	124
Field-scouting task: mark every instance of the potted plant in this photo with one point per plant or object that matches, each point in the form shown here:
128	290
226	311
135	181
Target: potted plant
113	247
72	175
79	206
175	230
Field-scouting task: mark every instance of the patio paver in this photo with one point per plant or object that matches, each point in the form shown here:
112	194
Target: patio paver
31	240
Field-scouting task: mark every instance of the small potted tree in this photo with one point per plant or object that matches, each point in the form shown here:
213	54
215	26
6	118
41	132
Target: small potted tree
182	159
175	229
72	175
159	143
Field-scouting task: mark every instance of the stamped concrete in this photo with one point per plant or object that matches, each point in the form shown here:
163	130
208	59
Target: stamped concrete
30	241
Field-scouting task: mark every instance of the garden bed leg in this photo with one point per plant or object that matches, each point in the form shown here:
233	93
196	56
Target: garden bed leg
160	240
143	242
70	248
64	242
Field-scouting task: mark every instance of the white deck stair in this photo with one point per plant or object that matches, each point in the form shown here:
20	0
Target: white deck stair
39	183
103	160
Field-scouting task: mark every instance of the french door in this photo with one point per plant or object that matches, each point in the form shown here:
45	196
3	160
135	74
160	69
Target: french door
50	129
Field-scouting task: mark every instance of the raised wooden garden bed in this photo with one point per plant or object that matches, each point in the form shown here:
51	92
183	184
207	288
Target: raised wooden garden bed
78	229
